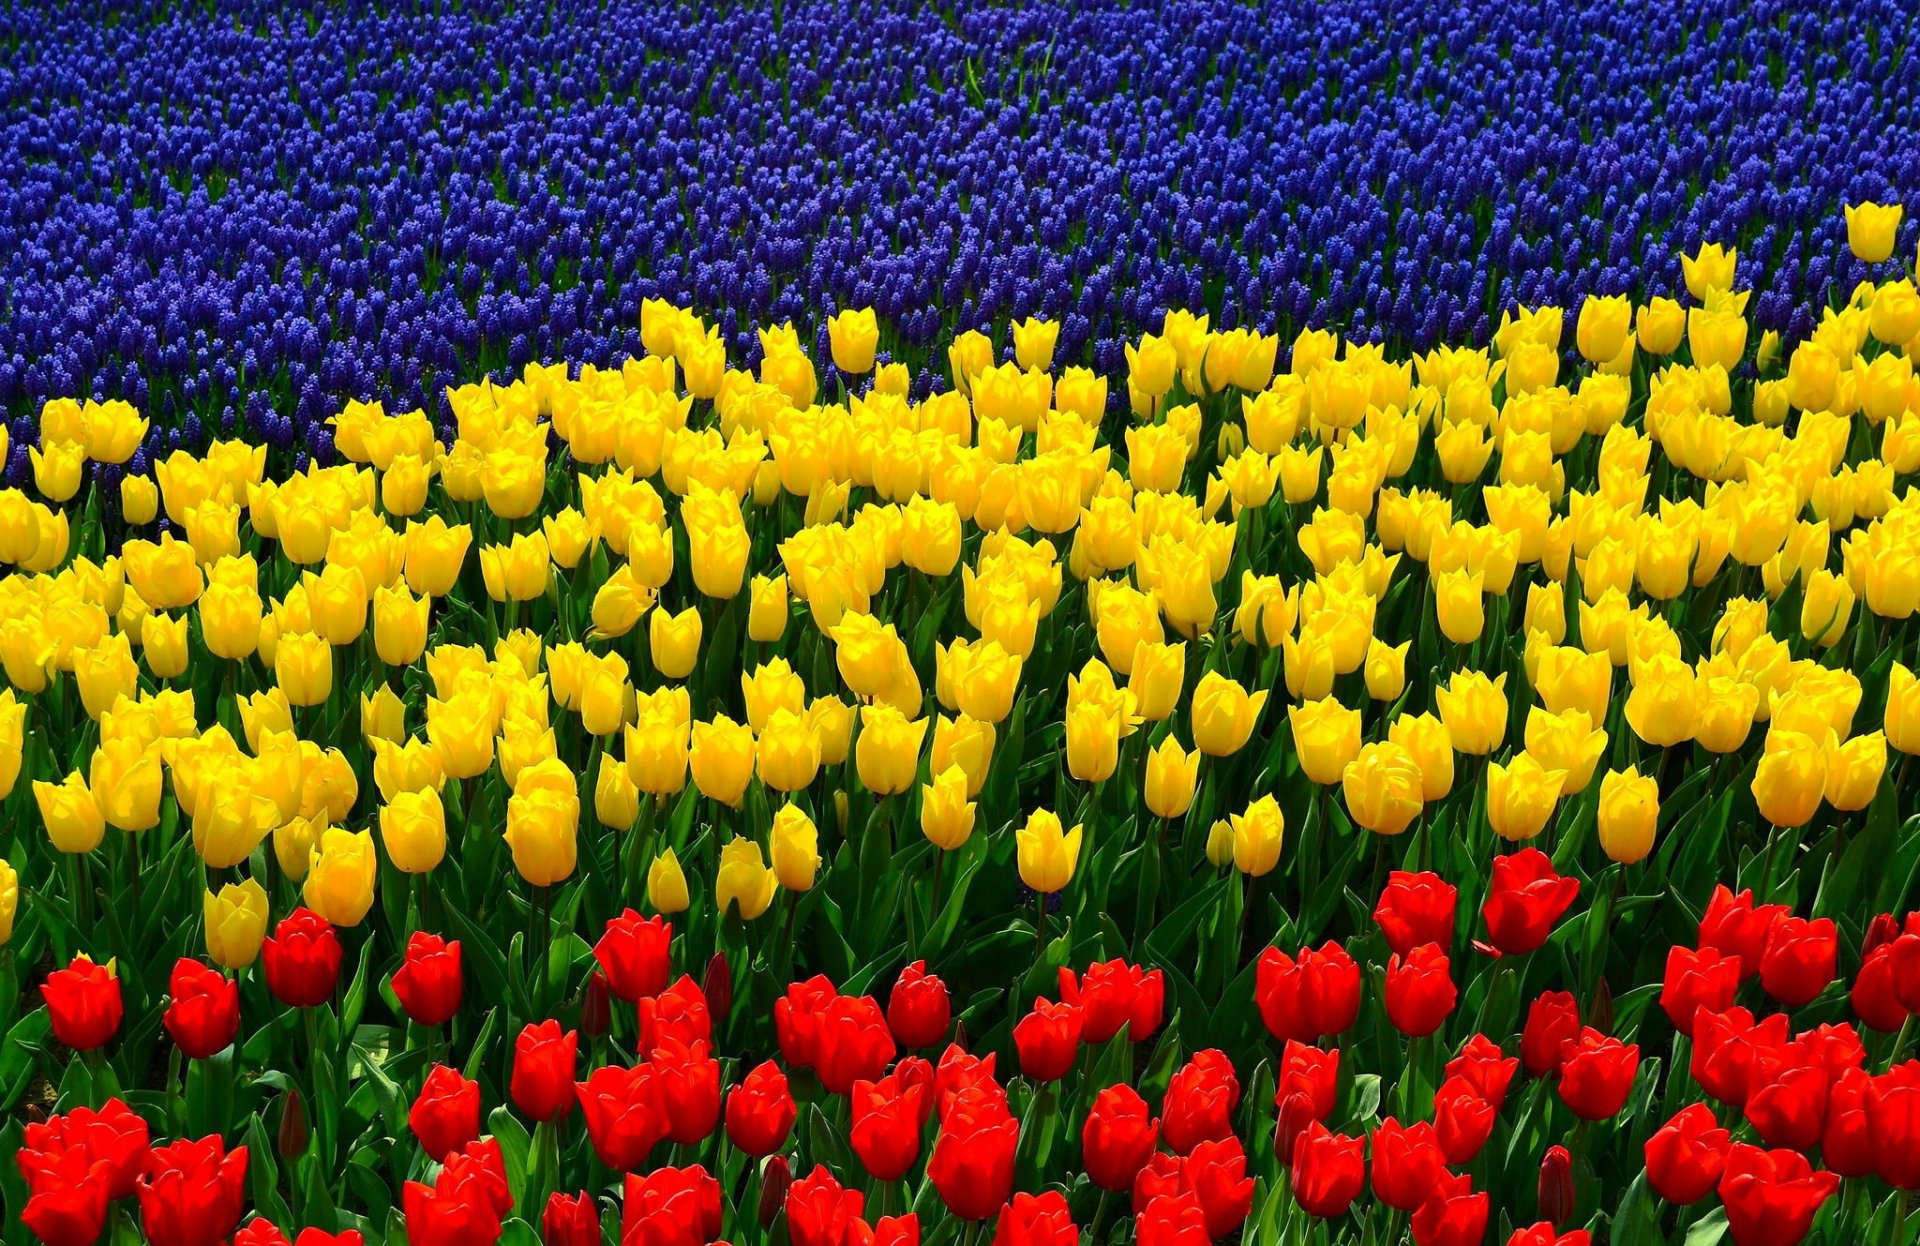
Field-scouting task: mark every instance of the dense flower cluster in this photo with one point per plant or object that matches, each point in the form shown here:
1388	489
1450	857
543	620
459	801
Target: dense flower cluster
238	222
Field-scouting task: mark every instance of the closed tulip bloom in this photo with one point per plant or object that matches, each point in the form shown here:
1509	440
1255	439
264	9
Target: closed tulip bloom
1596	1072
1792	777
1902	720
854	335
1093	742
674	641
796	855
1257	837
1048	1039
657	752
667	884
543	822
616	798
1629	813
1329	1170
1566	741
84	1003
1118	1138
1309	997
1603	327
1474	709
399	625
1524	900
203	1009
1383	788
69	812
1326	737
1224	714
1659	324
1420	993
1462	1120
428	983
1872	229
1157	679
919	1010
887	750
1521	796
105	673
787	752
1172	776
413	828
1427	740
302	959
1386	669
163	645
1825	608
340	876
1407	1163
1800	959
303	668
760	1111
744	881
946	815
192	1192
1047	853
125	779
1853	771
1707	269
1458	602
542	1084
721	759
767	612
1687	1155
516	571
236	921
1771	1197
1453	1215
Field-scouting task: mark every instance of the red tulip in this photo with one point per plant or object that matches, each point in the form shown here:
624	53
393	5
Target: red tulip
1733	1056
570	1220
671	1207
1313	997
477	1172
914	1071
1543	1234
1216	1172
625	1112
717	985
1037	1220
760	1111
889	1231
192	1193
959	1072
1905	951
66	1197
852	1042
1686	1156
428	984
1407	1163
796	1019
1420	992
886	1127
919	1010
302	959
1329	1170
1553	1188
1172	1220
1163	1175
1115	996
1847	1146
1414	909
687	1081
1893	1122
1553	1021
679	1013
1596	1072
115	1137
636	955
776	1178
1201	1097
1791	1110
1453	1215
1048	1039
446	1116
439	1216
1771	1196
819	1210
1525	897
1799	959
541	1085
1462	1121
83	1003
203	1009
1875	995
1311	1073
1484	1066
1696	980
1734	926
260	1232
972	1161
1119	1136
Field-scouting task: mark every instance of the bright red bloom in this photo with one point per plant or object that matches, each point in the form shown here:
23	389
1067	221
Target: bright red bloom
1162	1176
1407	1163
477	1172
1313	996
625	1112
1037	1220
115	1137
1686	1156
1201	1097
1116	996
1414	909
1311	1073
687	1086
66	1198
1553	1021
1543	1234
1905	951
671	1207
852	1042
1216	1172
972	1161
1893	1122
1172	1220
1525	897
192	1193
1771	1197
1876	995
679	1013
1596	1072
960	1071
1484	1066
1329	1170
83	1003
1420	992
1733	1056
1048	1040
1462	1120
1454	1215
796	1019
760	1111
1799	959
302	959
1119	1137
820	1211
886	1231
543	1062
260	1231
428	983
1696	980
446	1115
1734	926
886	1126
636	955
445	1217
203	1009
1791	1110
919	1009
914	1071
1847	1146
570	1220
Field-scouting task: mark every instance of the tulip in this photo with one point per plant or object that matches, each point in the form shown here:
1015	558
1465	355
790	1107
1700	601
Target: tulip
428	983
1407	1164
83	1003
1420	993
885	1133
1118	1138
236	922
721	759
887	751
203	1009
340	876
1687	1155
1462	1120
1414	909
854	335
9	901
1386	669
1314	996
303	668
1596	1072
302	959
1799	960
1771	1197
1257	836
674	641
760	1111
744	881
1458	602
667	884
795	854
1854	771
1328	1171
543	1063
1223	714
1047	853
1384	788
1048	1040
767	613
192	1192
1525	898
918	1011
1426	739
1521	797
1871	230
1628	815
413	829
1326	737
1172	776
1202	1096
1452	1215
1791	778
946	815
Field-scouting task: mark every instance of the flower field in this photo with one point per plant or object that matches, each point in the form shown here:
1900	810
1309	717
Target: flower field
978	656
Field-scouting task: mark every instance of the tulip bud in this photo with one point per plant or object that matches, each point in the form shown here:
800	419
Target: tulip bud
1883	929
596	1007
1600	1010
1556	1185
1296	1113
291	1138
717	986
776	1176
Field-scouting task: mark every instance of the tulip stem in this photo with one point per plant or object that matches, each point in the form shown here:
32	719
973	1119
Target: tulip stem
1100	1211
1040	923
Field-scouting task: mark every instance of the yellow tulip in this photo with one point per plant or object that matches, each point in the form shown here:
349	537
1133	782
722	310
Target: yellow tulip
1521	796
667	884
1902	719
340	876
293	846
796	848
1662	707
124	776
744	882
1172	775
1386	669
787	752
303	668
657	754
946	813
1458	603
236	923
1474	708
1047	853
1033	342
399	625
1326	736
887	750
1384	788
13	724
105	672
1871	230
543	823
1629	814
674	641
767	612
67	809
1854	770
1708	269
1825	609
854	335
1792	776
1257	836
721	758
1567	741
413	827
1223	714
